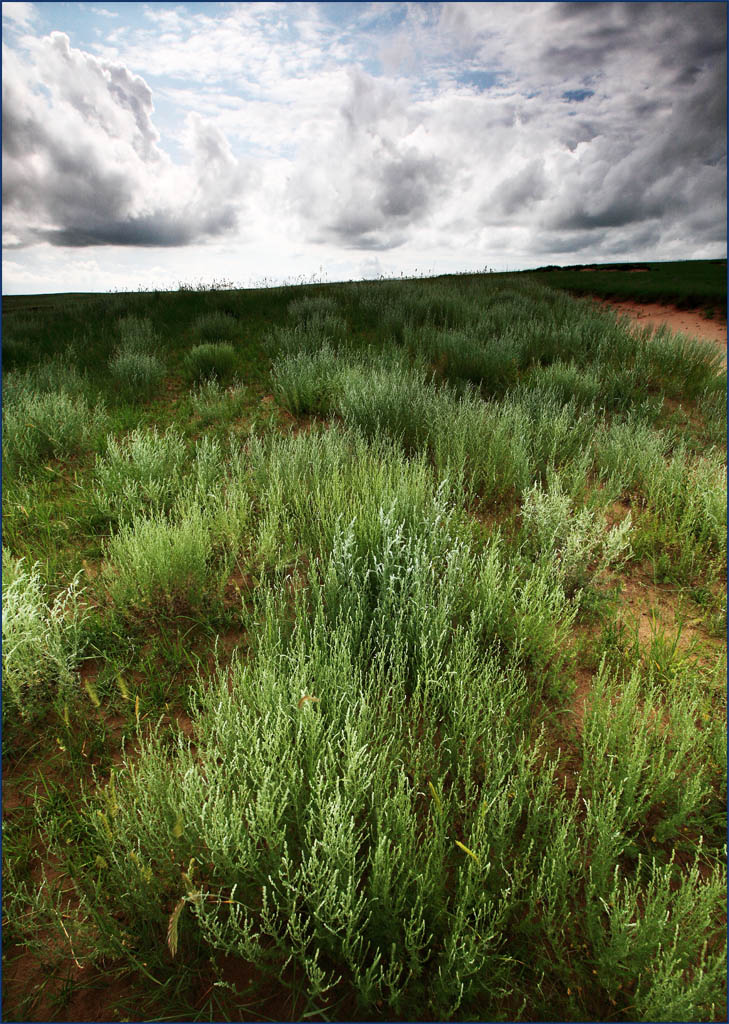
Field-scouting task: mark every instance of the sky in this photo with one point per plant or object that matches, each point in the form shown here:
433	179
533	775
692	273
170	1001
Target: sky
148	145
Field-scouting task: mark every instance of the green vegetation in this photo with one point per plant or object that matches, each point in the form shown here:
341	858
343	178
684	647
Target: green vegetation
42	642
687	284
213	359
362	657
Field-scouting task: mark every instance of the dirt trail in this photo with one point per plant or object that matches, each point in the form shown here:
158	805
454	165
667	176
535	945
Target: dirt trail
685	321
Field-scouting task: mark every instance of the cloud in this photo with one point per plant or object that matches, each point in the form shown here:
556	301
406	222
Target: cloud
433	132
639	151
519	191
82	162
375	175
662	169
19	15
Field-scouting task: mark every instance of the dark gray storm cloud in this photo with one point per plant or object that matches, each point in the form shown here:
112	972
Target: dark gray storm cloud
150	230
654	159
657	151
604	124
678	35
82	165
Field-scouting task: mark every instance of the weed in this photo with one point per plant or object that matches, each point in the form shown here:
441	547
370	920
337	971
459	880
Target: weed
142	471
135	375
138	335
306	383
378	802
215	404
154	559
216	327
577	544
38	426
214	359
42	642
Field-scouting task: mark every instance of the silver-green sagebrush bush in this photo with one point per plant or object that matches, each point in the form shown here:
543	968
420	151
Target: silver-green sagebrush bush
381	816
686	494
679	365
469	354
312	307
178	535
135	374
138	335
397	404
314	814
146	471
643	749
308	486
154	559
43	640
143	470
215	404
308	336
306	382
212	359
578	545
59	373
42	425
317	315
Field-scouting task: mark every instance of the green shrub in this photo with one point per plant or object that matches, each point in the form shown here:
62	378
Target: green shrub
215	404
216	327
644	752
313	307
318	837
306	486
59	373
385	401
42	642
567	382
134	375
712	407
210	360
373	809
577	544
155	561
468	355
142	471
677	364
147	471
38	426
308	336
138	335
308	383
684	494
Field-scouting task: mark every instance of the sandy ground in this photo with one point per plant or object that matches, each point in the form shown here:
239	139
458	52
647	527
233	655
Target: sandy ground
685	321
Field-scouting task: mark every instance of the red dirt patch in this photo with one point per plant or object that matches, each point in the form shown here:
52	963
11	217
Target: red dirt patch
683	321
63	991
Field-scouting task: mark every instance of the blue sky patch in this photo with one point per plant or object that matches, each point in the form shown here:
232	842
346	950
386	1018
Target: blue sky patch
577	95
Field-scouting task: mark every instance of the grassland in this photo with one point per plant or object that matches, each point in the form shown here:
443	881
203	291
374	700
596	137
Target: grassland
363	657
687	284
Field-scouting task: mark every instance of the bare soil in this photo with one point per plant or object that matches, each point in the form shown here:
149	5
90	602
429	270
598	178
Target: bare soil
683	321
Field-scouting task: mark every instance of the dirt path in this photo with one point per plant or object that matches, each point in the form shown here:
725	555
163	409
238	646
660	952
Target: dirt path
685	321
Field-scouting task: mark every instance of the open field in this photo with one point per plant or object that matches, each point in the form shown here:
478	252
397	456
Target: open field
687	284
363	657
